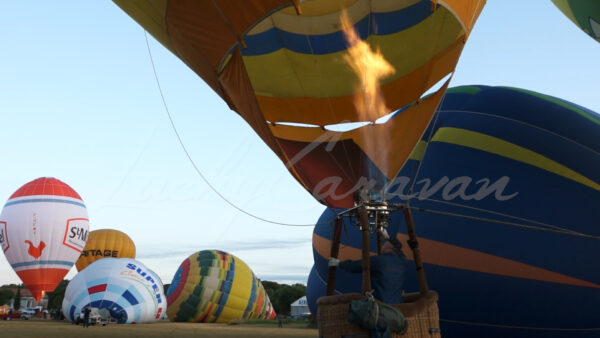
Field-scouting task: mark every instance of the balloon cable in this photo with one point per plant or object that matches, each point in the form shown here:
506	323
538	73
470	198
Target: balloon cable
187	154
519	225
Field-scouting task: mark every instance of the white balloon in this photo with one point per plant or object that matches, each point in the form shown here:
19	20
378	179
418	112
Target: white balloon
43	228
125	287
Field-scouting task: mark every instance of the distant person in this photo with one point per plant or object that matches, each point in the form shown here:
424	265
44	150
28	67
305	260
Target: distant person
279	321
86	316
387	270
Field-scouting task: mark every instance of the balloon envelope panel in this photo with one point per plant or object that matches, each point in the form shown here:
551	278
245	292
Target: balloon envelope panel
213	286
43	228
585	14
130	291
280	66
105	243
525	169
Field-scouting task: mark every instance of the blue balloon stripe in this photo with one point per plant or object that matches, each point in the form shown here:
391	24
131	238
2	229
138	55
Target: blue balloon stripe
225	288
251	300
72	313
48	262
81	296
275	39
137	312
221	302
114	288
97	297
129	297
44	200
538	110
134	292
175	282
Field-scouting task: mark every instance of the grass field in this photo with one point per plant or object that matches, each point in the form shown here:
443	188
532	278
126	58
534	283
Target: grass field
50	328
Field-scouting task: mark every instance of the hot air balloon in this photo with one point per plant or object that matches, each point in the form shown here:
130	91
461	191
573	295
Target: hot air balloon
280	65
585	14
507	185
212	286
125	287
43	228
105	243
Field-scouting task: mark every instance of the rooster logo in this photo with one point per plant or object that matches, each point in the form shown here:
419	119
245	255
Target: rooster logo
33	251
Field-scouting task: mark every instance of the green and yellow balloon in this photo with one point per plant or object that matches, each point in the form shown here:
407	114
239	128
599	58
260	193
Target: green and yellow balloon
213	286
585	14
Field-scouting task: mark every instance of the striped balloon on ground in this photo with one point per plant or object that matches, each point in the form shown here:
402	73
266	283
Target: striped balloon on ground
213	286
43	228
130	291
506	192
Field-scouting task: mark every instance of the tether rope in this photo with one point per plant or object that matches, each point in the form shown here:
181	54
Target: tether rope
531	227
556	227
183	147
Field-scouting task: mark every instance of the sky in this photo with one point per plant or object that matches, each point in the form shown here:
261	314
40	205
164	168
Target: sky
79	102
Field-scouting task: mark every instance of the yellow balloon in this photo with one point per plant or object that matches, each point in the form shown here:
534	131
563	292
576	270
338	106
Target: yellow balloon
105	243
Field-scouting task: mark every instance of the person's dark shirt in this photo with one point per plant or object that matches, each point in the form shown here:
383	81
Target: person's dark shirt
387	275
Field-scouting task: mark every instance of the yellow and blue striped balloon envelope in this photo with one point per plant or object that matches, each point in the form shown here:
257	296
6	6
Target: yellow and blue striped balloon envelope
280	65
213	286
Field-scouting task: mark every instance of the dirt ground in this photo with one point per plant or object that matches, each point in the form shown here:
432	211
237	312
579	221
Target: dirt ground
50	328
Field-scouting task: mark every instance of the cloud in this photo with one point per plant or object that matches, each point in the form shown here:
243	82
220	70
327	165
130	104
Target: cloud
227	246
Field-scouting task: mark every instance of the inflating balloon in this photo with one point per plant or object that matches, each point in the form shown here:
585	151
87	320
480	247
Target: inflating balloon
281	65
43	228
505	196
104	243
212	286
585	14
130	291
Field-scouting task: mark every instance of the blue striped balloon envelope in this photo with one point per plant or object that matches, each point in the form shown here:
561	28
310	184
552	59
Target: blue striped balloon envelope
126	288
505	190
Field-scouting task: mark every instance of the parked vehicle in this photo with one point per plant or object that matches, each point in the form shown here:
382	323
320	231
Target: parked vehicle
10	315
27	313
93	319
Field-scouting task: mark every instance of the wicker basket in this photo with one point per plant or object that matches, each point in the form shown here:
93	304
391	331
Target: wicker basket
421	312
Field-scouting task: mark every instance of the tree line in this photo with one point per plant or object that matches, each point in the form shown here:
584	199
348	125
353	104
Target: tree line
281	295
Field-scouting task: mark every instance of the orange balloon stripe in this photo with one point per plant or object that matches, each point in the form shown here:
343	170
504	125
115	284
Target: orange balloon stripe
39	281
46	186
467	10
452	256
